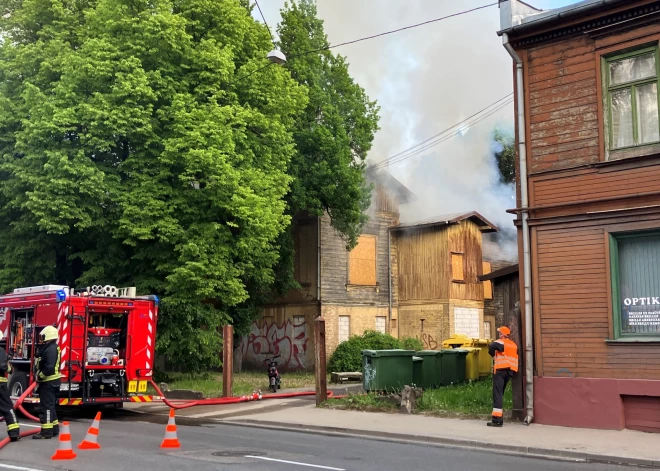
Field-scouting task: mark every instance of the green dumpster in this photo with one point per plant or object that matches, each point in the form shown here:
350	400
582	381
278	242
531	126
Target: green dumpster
418	372
431	366
387	370
453	366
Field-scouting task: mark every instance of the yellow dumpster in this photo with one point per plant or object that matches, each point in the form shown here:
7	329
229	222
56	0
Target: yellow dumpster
462	341
472	363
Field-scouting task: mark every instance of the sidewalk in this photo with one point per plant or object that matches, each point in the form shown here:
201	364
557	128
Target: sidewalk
623	447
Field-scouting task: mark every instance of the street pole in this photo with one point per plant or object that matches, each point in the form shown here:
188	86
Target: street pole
227	360
320	367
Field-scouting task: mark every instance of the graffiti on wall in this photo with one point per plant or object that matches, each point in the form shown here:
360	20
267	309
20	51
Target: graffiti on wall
291	340
429	342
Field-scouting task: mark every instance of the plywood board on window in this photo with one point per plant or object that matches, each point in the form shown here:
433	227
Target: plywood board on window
457	267
362	262
488	285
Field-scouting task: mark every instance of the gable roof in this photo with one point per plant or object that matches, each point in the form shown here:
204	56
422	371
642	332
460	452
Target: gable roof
449	220
395	187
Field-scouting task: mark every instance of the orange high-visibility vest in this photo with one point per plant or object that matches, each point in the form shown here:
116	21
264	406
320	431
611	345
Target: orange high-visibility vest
508	358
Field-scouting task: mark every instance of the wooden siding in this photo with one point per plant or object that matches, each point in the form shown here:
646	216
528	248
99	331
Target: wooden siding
335	286
563	104
424	269
382	201
574	310
465	238
425	263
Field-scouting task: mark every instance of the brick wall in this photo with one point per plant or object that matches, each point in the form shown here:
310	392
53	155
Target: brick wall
434	328
362	318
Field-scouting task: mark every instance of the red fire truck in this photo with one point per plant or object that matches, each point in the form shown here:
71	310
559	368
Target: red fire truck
106	338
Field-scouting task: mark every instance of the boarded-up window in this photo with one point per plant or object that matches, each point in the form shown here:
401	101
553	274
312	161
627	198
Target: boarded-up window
362	262
380	325
344	328
488	285
466	321
457	267
305	255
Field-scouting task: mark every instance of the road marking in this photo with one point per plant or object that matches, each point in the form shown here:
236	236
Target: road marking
18	468
294	462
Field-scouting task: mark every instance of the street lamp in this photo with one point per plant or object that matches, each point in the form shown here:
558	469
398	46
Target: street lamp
276	56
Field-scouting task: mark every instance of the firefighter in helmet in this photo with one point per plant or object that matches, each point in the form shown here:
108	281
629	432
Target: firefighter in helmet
505	365
6	406
47	372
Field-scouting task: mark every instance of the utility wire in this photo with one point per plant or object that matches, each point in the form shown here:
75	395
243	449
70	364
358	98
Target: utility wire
264	18
447	137
443	135
419	144
332	46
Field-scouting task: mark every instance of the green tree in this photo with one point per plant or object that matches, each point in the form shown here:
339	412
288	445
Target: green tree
505	154
137	149
335	131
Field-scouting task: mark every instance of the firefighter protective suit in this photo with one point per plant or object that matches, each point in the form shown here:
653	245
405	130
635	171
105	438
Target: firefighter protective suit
47	369
6	405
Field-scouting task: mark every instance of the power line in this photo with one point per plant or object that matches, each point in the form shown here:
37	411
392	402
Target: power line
443	135
467	125
396	30
332	46
444	131
264	18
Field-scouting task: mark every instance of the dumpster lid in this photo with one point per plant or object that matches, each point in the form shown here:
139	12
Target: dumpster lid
388	353
455	351
418	359
428	353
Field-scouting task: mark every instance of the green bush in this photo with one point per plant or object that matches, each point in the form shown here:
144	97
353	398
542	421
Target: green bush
348	355
412	343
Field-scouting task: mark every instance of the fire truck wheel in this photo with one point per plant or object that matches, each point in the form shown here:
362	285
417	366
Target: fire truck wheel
17	383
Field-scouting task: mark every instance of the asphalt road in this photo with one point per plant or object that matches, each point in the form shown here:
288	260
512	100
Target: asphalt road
132	442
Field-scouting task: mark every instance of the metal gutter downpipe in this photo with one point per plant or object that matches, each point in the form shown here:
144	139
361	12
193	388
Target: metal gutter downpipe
389	274
527	265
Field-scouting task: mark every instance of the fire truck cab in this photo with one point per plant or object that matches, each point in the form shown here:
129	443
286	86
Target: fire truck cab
106	339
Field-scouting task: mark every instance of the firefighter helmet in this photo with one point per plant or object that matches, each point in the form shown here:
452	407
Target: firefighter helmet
48	333
504	330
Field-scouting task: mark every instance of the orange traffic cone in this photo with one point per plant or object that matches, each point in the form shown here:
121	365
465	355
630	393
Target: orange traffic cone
91	441
65	451
171	440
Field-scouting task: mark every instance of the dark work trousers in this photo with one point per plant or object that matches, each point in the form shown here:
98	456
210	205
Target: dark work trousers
48	393
500	380
7	412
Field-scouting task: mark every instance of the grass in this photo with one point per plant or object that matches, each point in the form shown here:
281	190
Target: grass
468	400
210	384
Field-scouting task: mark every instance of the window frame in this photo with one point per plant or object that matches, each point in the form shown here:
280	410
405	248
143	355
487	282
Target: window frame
613	239
608	90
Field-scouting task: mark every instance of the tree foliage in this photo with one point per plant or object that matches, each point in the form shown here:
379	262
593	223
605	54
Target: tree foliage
137	149
505	154
335	131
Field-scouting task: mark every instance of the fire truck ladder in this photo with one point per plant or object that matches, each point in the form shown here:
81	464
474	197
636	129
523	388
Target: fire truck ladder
79	364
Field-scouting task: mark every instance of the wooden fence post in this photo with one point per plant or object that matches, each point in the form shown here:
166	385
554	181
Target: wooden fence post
320	370
227	360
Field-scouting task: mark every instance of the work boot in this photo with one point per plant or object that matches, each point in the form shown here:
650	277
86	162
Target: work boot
494	424
14	438
56	430
41	436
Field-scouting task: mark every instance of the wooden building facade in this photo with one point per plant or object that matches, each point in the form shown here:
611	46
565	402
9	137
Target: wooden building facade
591	73
439	262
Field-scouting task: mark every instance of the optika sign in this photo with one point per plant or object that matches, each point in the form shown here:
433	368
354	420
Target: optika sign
641	301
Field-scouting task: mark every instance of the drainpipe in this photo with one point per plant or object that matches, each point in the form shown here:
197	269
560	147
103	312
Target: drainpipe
389	273
527	270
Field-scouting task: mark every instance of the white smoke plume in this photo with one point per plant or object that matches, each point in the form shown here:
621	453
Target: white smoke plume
426	80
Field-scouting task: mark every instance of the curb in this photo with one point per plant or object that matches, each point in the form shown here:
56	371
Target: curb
523	451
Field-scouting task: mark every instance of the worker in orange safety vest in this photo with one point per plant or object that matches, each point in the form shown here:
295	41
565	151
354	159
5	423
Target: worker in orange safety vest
505	365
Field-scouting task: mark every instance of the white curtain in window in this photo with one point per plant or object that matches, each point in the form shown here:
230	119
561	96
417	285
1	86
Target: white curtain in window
632	69
647	113
622	119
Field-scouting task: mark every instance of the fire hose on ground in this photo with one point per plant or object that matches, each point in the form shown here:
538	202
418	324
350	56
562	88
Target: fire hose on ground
19	405
256	396
175	404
